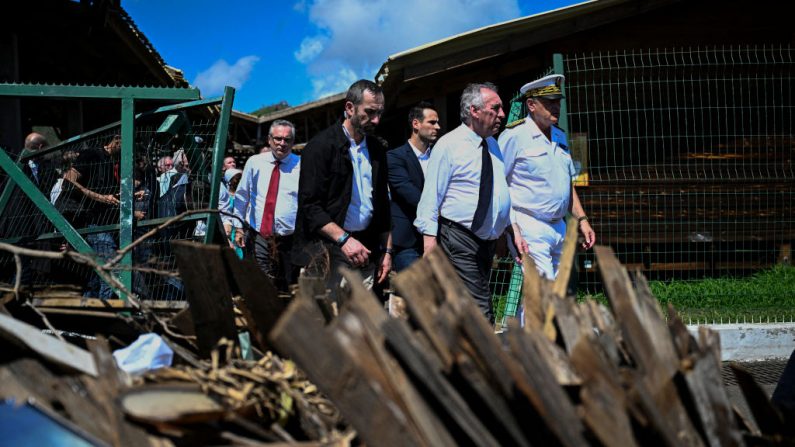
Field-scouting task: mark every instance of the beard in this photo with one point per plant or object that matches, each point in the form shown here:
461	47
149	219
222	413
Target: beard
362	129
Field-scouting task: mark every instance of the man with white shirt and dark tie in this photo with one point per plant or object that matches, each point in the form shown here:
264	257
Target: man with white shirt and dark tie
465	205
407	167
267	200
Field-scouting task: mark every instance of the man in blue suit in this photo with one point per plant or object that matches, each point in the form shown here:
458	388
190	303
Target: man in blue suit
407	165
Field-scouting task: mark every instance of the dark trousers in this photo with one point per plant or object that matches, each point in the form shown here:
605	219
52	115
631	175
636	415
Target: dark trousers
472	258
273	256
784	394
404	257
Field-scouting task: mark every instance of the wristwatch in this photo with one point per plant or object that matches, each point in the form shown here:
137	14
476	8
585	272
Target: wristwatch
388	250
582	218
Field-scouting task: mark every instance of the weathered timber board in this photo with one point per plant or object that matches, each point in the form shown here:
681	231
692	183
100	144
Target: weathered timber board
332	368
209	293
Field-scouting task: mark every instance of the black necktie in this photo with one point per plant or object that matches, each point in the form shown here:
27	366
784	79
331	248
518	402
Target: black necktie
486	188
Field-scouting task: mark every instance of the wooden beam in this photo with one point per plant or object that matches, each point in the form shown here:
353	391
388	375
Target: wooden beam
204	274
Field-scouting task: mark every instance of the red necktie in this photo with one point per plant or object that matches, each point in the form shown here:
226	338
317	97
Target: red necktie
266	229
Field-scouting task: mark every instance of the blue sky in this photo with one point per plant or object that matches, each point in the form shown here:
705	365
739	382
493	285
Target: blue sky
301	50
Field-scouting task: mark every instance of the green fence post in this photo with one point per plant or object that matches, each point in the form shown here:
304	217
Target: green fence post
219	149
126	194
557	67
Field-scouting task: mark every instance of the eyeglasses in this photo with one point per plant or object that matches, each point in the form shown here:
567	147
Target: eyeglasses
280	139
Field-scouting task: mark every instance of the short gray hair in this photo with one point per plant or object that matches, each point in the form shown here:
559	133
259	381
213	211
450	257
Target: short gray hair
285	123
473	97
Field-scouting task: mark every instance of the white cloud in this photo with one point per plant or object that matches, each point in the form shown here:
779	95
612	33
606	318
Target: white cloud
213	80
333	82
300	6
356	36
310	48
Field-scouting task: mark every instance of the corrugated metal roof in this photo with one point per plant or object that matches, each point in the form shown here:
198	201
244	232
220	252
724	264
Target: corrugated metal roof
301	108
501	31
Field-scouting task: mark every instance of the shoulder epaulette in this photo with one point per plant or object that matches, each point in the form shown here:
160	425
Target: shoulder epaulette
515	123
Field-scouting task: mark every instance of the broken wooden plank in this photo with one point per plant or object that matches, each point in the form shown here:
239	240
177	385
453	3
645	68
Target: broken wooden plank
604	401
417	285
545	394
711	401
426	371
49	347
566	258
331	367
767	417
67	394
494	410
367	330
204	273
655	372
262	304
106	389
531	295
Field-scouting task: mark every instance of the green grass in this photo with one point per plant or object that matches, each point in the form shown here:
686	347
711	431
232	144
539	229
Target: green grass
768	295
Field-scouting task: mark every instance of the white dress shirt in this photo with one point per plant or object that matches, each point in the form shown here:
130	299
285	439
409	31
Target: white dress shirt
452	185
224	202
538	172
164	180
360	210
422	157
253	190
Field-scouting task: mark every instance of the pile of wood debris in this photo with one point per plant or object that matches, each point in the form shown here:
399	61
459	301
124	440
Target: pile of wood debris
210	396
576	373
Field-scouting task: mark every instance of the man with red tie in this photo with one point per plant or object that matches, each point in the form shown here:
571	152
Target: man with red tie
267	200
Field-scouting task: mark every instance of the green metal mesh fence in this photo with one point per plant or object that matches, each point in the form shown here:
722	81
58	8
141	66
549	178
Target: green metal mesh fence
687	159
81	178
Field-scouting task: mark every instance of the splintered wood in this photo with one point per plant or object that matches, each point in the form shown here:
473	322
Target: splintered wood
574	374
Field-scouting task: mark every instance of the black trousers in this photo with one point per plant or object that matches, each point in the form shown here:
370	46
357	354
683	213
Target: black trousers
274	257
472	258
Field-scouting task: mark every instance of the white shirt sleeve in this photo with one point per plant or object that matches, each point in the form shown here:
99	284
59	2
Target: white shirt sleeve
242	196
436	182
509	148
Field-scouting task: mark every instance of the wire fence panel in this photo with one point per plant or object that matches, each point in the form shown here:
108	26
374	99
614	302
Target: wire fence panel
687	159
173	154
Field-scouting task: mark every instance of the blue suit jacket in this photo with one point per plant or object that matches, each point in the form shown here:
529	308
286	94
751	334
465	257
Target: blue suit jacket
405	186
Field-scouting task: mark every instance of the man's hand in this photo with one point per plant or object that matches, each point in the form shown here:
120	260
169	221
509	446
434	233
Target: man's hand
428	242
356	253
588	234
521	246
384	267
107	199
240	239
139	215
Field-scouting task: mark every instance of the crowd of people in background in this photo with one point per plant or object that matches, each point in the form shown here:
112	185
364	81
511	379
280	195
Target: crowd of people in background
348	199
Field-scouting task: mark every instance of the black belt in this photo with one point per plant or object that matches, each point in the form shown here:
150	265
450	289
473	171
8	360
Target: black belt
458	226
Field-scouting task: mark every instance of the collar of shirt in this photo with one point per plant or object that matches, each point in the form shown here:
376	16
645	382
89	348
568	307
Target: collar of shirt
354	146
535	132
470	135
285	162
421	155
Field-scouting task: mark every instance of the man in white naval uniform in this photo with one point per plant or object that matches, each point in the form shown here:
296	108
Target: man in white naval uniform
539	171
